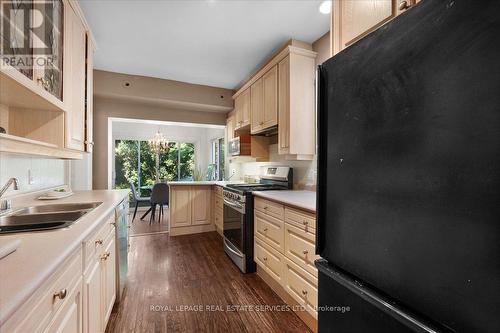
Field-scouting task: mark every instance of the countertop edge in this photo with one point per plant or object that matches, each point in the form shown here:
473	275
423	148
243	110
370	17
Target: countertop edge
10	308
266	195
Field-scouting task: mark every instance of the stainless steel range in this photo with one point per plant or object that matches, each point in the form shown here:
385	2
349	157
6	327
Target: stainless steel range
238	213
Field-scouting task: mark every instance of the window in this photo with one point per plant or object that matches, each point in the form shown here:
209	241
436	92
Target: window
217	158
135	162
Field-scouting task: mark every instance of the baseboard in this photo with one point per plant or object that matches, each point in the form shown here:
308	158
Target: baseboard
192	229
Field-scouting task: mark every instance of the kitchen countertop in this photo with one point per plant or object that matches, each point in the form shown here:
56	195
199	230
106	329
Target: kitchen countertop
205	182
39	254
300	199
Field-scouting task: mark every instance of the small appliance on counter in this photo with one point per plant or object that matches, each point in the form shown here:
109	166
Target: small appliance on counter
238	213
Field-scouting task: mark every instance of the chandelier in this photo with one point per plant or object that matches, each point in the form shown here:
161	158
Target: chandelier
158	143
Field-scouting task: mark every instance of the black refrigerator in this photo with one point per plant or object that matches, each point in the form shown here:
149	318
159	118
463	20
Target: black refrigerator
408	208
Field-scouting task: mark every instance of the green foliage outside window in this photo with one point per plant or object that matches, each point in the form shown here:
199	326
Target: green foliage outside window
176	164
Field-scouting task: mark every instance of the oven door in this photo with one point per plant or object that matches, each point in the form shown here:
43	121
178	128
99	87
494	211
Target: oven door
234	219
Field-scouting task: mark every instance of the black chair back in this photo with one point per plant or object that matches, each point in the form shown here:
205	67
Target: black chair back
159	194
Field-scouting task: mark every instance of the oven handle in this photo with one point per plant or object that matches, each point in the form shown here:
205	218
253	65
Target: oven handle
229	247
233	205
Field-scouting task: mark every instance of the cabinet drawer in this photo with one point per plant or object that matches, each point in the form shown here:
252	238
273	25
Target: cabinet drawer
218	219
301	219
44	301
302	286
95	242
269	259
270	208
300	248
218	190
270	230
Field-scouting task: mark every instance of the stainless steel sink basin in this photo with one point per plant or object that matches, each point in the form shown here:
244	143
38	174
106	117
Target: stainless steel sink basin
56	208
33	222
44	217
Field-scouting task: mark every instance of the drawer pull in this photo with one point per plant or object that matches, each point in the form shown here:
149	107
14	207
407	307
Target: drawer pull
105	256
266	208
265	258
265	229
304	292
61	294
113	224
305	252
305	222
98	242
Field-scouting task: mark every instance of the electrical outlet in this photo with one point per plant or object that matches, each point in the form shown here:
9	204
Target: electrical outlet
31	178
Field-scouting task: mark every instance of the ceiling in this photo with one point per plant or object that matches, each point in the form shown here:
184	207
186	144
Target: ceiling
211	42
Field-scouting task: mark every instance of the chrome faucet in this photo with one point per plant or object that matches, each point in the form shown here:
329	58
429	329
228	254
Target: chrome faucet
5	204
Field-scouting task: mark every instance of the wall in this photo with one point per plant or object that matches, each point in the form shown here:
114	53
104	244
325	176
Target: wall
145	101
45	172
305	172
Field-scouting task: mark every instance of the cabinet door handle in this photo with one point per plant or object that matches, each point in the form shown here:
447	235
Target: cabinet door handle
265	229
404	5
265	258
113	224
266	208
304	292
105	256
305	252
98	242
305	222
61	294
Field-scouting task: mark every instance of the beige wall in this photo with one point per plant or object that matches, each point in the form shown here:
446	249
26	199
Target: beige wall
322	46
146	101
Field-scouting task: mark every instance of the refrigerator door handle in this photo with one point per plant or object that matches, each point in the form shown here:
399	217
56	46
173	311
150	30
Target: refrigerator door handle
319	120
383	303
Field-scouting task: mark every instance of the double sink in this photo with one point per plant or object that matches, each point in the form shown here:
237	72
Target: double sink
44	217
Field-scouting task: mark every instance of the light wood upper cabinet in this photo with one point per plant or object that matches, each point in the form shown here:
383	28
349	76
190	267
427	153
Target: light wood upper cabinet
230	124
256	106
264	101
201	199
354	19
270	107
75	123
296	130
89	96
242	109
180	206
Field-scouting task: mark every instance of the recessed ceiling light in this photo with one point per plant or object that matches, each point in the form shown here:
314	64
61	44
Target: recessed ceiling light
325	7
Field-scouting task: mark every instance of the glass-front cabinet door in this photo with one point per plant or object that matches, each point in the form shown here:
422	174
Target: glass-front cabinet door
48	49
16	47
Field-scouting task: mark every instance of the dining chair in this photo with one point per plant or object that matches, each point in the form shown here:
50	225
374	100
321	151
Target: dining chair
138	199
159	196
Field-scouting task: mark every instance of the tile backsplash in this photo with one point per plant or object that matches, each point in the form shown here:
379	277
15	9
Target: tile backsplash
45	172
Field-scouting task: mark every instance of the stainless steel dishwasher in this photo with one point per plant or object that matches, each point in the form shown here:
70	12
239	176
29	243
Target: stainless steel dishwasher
122	245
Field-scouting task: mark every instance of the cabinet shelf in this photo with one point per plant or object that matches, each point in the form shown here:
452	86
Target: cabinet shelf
22	92
18	145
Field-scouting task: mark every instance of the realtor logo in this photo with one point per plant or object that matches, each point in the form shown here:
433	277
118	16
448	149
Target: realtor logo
30	32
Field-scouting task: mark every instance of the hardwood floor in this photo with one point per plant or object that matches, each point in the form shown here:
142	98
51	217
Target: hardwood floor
140	227
169	276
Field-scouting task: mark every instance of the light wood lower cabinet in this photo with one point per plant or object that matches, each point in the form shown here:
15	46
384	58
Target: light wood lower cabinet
190	209
284	249
99	287
218	209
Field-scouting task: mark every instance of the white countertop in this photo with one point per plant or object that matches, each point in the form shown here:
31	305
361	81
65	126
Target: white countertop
205	182
40	253
300	199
